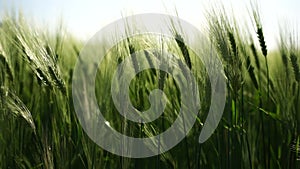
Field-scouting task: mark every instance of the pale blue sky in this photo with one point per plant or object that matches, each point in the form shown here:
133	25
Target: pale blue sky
84	18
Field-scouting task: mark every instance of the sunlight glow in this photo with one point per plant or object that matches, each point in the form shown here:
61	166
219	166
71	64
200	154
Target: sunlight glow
85	18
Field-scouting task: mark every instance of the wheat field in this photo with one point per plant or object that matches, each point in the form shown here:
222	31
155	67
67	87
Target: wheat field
259	129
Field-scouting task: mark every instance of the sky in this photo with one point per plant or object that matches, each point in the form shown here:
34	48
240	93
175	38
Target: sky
84	18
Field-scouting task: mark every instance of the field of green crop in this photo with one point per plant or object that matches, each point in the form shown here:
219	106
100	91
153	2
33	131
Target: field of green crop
260	127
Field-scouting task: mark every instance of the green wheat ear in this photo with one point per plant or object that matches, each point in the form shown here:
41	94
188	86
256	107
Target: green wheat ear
8	69
262	42
42	78
250	69
14	105
184	50
233	44
295	66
